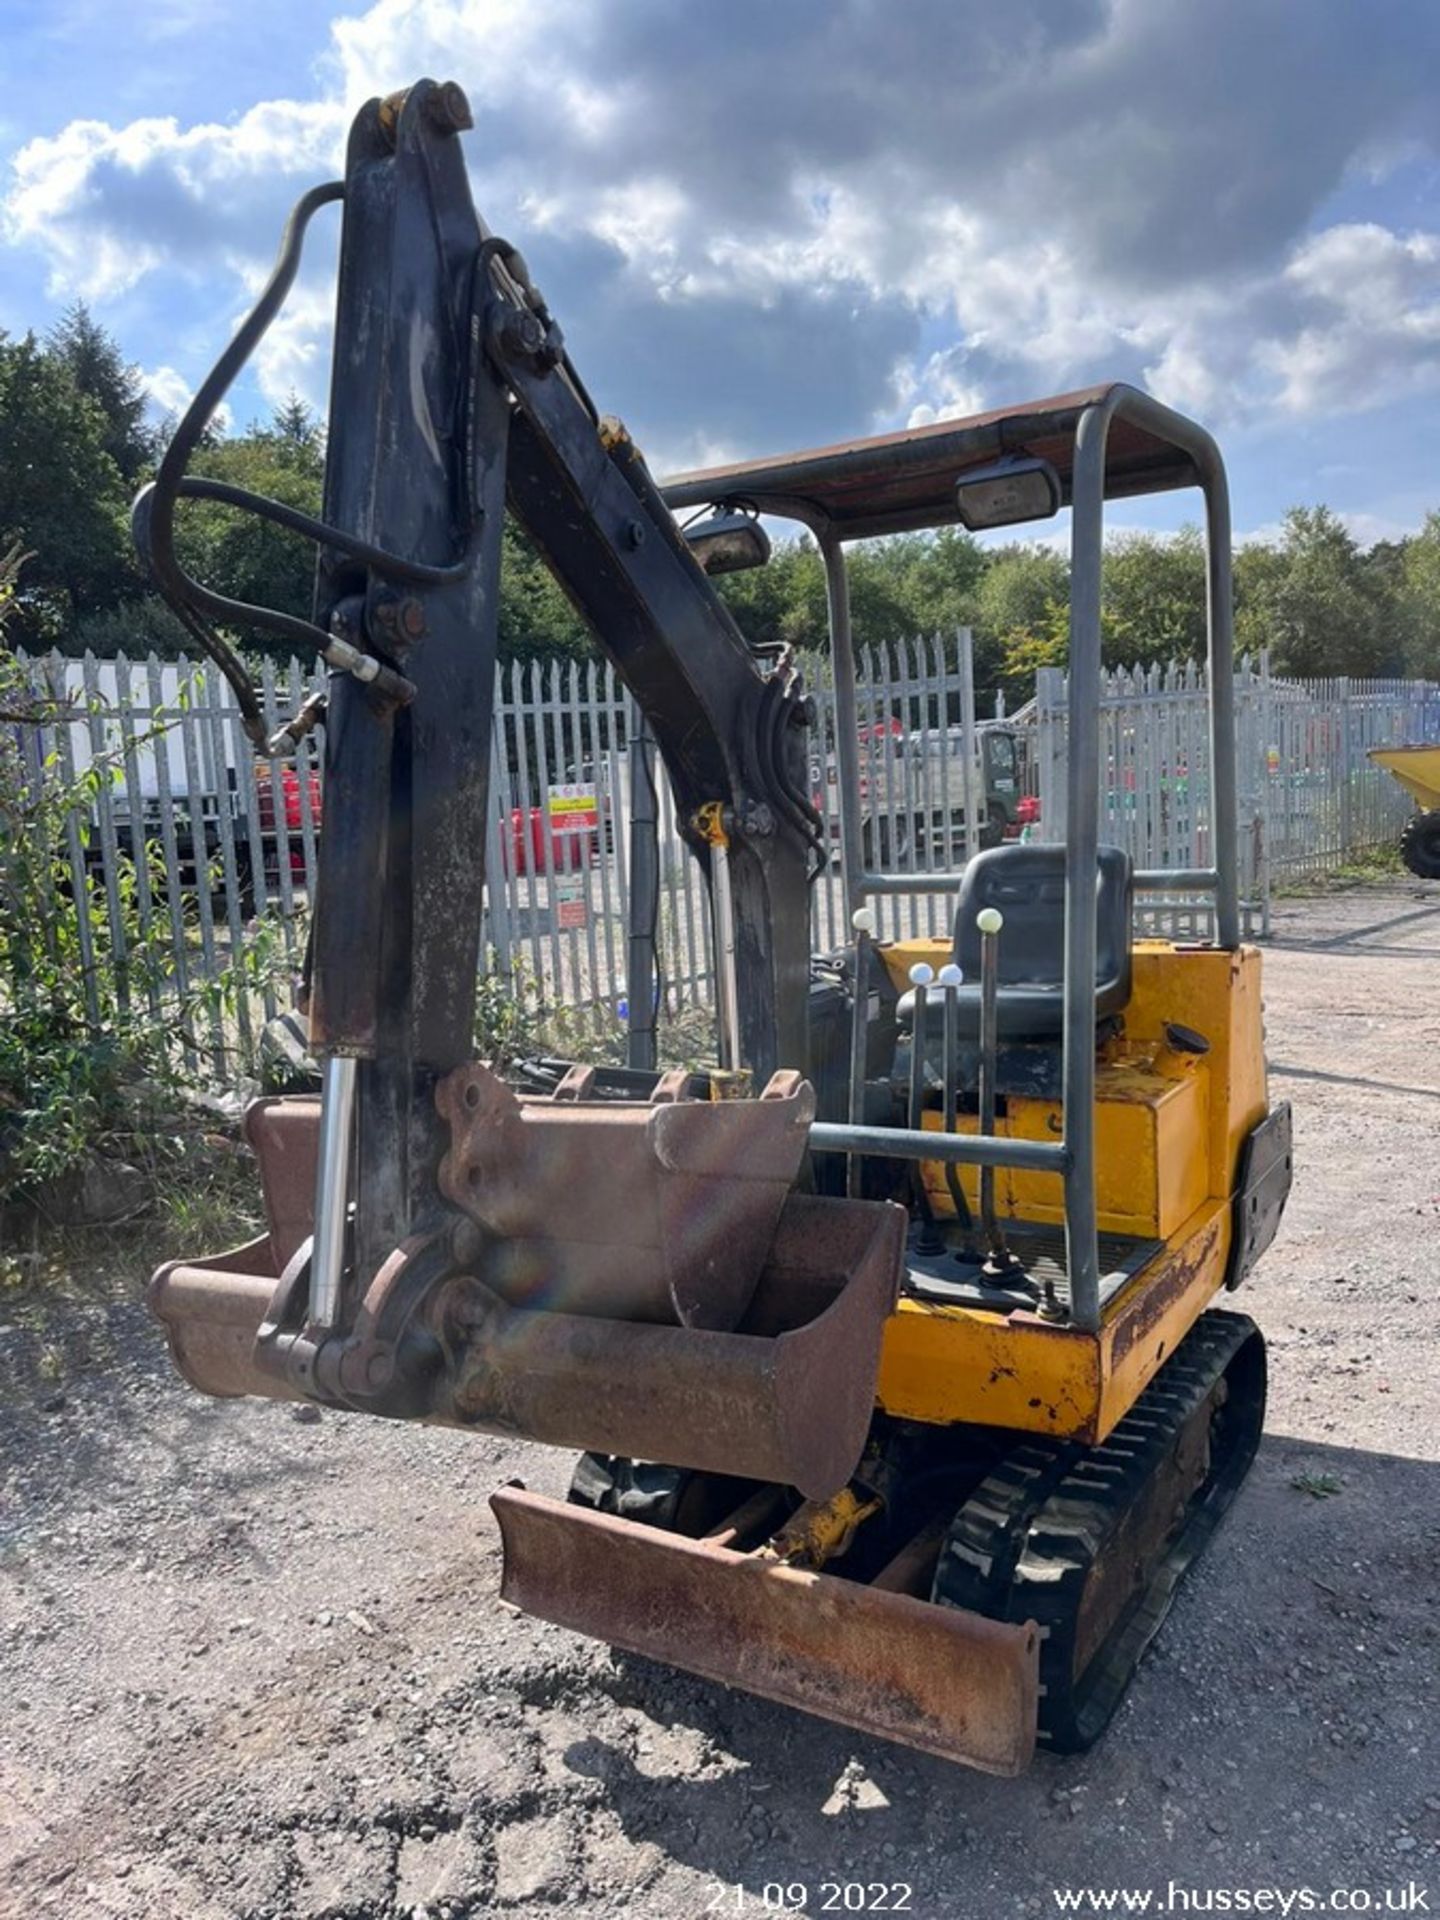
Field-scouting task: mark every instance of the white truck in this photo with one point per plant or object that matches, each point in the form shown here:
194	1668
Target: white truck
913	792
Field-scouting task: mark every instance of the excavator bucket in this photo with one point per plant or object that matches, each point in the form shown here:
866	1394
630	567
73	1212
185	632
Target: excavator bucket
636	1278
884	1661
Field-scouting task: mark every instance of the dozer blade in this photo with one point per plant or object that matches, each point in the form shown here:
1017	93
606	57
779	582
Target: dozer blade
949	1682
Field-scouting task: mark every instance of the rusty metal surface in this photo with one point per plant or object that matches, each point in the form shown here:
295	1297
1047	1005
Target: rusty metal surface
210	1312
946	1681
658	1211
788	1398
897	481
284	1134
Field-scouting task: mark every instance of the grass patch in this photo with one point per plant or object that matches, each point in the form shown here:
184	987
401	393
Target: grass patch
1320	1486
1357	870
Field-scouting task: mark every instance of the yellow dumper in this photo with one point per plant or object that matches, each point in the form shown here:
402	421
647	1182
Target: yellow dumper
1418	771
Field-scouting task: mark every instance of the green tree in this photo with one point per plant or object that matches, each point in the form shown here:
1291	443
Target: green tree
1153	596
61	495
1022	601
240	555
93	359
1259	571
135	627
1417	601
1023	651
1020	586
783	603
1322	606
913	584
296	422
537	620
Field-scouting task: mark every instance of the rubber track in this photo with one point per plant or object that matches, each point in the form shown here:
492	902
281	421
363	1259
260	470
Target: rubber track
1024	1544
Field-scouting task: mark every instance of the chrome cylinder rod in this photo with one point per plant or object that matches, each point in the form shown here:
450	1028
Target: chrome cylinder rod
727	992
332	1188
641	971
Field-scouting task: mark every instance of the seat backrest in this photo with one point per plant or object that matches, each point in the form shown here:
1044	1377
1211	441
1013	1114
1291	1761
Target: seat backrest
1027	884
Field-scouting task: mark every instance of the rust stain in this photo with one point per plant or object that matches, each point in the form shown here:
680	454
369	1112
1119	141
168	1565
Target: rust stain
1165	1285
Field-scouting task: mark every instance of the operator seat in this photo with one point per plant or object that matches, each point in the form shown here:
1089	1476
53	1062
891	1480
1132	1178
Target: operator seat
1027	884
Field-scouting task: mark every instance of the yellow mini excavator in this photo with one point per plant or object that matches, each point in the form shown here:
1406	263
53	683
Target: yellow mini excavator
886	1342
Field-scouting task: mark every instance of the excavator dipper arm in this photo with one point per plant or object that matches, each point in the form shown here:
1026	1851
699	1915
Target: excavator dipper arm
451	389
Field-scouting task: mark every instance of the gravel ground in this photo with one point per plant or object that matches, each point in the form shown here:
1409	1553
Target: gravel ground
253	1665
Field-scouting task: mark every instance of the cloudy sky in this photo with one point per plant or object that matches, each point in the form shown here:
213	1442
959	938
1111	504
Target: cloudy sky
771	225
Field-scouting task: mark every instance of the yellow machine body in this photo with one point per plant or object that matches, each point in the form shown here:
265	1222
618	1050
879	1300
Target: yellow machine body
1416	768
1169	1126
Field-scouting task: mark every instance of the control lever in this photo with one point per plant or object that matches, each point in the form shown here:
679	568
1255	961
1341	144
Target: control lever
921	976
863	922
949	979
1001	1267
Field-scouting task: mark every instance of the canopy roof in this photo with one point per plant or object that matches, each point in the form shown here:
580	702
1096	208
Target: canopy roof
897	482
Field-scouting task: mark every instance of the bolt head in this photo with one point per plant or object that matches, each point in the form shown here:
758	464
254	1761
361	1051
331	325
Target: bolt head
448	109
524	333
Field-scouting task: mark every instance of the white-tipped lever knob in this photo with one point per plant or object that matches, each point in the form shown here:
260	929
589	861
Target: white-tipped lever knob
921	974
989	920
863	920
950	975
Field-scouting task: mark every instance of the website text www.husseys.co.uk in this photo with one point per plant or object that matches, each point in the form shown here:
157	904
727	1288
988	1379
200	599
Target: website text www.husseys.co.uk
1280	1902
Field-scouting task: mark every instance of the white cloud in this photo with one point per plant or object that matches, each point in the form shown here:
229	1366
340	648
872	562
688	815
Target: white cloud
167	388
1371	327
169	392
834	216
110	205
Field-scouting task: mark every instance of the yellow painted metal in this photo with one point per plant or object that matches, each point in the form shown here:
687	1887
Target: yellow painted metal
820	1530
900	955
1416	768
1150	1146
948	1364
1169	1127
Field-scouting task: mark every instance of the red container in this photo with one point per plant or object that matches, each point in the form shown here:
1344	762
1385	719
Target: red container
571	847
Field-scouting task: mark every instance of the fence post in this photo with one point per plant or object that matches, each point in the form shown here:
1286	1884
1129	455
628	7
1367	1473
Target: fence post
965	657
1342	687
1049	717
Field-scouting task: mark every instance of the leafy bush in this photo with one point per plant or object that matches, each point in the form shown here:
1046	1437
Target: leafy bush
100	1044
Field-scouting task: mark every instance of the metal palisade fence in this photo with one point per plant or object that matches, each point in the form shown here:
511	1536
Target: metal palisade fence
215	852
1309	797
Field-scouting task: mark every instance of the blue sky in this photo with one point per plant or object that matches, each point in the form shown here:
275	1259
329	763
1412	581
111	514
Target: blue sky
808	220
